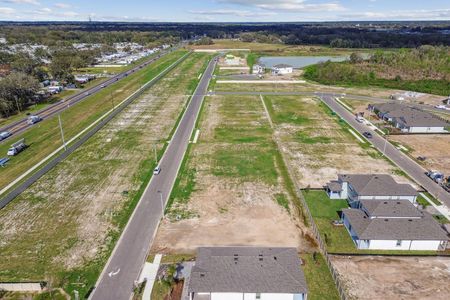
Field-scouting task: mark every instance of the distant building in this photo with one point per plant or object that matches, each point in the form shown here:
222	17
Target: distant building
410	119
258	69
357	187
247	273
393	225
282	69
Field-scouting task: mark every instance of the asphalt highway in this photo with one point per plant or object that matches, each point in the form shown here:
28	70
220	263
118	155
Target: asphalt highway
413	169
22	125
125	263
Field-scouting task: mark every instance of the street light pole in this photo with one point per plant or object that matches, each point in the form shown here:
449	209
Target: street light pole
62	131
385	143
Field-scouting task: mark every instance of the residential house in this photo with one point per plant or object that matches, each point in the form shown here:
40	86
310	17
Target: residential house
247	273
393	225
410	119
357	187
282	69
258	69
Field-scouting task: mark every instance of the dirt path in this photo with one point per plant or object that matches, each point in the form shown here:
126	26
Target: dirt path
373	277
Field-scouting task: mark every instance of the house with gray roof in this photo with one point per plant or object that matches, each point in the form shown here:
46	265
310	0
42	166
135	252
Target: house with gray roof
357	187
410	119
393	225
282	69
250	273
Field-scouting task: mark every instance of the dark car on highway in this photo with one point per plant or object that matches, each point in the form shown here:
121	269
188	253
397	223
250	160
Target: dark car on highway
367	134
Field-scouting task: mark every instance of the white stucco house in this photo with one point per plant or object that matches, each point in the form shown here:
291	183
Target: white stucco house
247	273
357	187
258	69
393	225
410	119
282	69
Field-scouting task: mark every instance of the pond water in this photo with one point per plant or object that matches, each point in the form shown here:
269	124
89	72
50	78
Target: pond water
298	61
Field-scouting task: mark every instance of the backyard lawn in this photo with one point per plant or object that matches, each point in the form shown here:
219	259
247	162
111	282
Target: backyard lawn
318	277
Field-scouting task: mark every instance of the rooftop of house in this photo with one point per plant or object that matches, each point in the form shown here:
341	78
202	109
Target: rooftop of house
334	186
390	209
282	66
377	185
410	116
424	228
247	270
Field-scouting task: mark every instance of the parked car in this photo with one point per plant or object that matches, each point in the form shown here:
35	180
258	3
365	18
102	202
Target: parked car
359	119
367	134
157	170
4	135
33	120
435	176
17	147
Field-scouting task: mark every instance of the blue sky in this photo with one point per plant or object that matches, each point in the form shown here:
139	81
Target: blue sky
224	10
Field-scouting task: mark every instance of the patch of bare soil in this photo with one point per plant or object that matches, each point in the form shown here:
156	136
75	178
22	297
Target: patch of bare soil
375	277
435	147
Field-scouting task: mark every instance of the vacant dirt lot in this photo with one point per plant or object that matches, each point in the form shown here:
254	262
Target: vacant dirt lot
231	191
317	145
435	147
394	277
66	218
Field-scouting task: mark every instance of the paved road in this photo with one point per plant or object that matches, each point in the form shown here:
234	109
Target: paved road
117	279
21	125
413	169
349	96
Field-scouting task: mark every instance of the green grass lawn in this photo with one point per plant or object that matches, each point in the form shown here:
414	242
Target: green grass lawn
318	278
44	137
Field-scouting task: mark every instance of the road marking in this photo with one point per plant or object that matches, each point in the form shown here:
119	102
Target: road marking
356	136
196	136
199	76
111	274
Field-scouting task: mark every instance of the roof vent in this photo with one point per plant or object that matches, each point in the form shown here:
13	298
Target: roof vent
202	274
385	202
409	220
275	258
386	220
398	202
260	259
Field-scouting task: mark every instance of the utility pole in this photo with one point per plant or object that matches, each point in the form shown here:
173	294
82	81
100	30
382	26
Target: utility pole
62	132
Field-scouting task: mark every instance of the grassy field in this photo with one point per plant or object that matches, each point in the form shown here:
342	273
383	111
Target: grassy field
65	225
277	49
318	277
44	138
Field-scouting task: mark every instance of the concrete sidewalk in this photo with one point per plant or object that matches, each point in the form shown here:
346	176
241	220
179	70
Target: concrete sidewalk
149	273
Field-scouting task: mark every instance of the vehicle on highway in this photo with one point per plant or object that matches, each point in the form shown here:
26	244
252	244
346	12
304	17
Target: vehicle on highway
102	86
359	119
33	120
435	176
4	135
367	134
16	148
157	170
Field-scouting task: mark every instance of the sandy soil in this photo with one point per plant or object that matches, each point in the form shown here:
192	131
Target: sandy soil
226	211
435	147
372	277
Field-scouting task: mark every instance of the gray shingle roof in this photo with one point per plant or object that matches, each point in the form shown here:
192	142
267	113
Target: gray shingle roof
247	270
282	66
410	116
334	186
391	208
425	228
377	185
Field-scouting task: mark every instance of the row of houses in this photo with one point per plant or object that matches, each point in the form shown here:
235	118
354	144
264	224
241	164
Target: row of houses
384	215
279	69
410	119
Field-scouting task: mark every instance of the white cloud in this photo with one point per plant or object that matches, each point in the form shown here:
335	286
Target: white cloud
7	10
294	6
232	12
62	5
34	2
423	14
